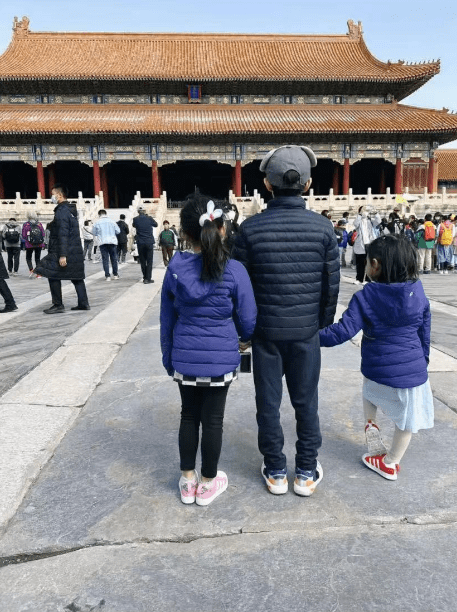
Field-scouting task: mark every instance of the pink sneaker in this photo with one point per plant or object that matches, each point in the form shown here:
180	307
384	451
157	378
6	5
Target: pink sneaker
207	491
188	489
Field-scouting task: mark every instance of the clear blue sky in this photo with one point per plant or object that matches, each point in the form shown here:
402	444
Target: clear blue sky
413	30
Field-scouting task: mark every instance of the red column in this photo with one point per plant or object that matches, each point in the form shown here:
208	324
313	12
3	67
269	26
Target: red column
97	183
398	177
2	186
40	178
431	187
51	177
104	186
346	172
336	178
155	179
238	178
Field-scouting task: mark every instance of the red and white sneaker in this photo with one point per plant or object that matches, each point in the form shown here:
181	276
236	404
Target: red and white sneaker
208	491
188	489
374	440
376	463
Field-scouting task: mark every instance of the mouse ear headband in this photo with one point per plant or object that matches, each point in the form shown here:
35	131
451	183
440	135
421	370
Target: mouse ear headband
210	214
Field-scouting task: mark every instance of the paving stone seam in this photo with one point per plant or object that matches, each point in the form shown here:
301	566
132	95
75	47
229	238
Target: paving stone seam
392	525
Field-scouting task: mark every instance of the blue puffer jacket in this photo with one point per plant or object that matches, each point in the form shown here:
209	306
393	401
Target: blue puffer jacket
292	257
201	321
396	332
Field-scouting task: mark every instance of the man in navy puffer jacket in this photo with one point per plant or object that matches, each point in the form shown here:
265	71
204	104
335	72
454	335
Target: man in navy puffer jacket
291	255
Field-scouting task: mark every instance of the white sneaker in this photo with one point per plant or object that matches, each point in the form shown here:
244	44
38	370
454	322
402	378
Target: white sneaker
32	274
276	480
446	271
440	271
108	278
305	482
357	282
374	440
115	277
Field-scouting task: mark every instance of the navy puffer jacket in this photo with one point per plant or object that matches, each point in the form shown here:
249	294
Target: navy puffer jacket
200	321
292	257
396	332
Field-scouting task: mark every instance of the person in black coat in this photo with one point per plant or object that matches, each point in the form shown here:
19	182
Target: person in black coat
65	260
291	255
5	291
122	239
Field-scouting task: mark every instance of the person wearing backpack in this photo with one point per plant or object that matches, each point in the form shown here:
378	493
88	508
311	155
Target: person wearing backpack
12	237
425	236
33	235
445	252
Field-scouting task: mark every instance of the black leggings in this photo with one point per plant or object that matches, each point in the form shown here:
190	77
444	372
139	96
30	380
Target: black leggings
203	405
28	256
360	264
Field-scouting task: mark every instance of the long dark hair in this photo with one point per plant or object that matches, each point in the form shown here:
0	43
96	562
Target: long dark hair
397	256
214	252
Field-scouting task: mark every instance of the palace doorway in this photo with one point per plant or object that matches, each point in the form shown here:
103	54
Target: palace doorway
74	175
184	177
18	177
375	173
123	180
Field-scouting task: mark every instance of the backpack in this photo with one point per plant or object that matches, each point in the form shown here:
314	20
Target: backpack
446	236
34	235
12	235
352	237
429	232
339	235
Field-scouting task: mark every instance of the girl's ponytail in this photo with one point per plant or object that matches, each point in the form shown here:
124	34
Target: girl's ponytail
213	249
214	252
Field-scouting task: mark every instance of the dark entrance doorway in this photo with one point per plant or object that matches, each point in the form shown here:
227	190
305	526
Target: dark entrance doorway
183	177
124	179
322	176
375	173
19	177
76	177
252	178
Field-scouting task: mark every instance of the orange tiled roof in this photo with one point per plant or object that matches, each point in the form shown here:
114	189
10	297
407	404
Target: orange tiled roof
206	120
200	57
447	164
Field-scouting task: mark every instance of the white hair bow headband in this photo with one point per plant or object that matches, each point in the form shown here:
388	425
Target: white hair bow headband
210	214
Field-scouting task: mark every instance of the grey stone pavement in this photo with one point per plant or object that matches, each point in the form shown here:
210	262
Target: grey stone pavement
90	516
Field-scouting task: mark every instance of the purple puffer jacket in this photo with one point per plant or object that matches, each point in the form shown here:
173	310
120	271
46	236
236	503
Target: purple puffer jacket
396	332
200	322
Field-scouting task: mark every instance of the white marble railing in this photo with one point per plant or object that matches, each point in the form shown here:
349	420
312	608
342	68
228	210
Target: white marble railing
247	206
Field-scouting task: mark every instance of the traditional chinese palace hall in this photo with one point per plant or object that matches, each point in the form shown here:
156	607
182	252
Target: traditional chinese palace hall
123	112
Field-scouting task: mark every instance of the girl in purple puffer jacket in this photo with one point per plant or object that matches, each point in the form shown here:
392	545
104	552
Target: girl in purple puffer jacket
207	311
394	314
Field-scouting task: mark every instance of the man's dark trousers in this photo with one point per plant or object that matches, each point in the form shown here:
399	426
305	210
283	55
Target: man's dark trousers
55	287
109	252
6	294
13	258
300	362
145	254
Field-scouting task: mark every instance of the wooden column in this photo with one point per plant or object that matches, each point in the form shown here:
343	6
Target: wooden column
238	178
51	178
346	173
104	186
2	185
155	179
336	178
97	182
40	179
431	186
398	177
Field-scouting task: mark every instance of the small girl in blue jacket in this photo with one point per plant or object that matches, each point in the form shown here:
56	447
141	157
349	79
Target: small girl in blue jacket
394	314
207	309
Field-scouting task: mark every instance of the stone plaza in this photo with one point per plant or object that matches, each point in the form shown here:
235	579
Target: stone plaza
89	506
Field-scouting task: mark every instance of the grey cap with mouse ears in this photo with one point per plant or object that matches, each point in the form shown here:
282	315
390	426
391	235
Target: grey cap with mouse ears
288	157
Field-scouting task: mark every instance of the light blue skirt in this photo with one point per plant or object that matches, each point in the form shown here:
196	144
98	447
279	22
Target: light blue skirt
410	409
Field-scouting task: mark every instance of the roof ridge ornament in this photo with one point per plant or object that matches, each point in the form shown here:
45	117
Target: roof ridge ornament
354	29
21	28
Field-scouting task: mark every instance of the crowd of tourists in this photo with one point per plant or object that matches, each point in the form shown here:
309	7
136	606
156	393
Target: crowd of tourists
434	237
272	290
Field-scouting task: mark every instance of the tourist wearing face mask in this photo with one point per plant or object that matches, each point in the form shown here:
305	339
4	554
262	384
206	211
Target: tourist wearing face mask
65	260
365	224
